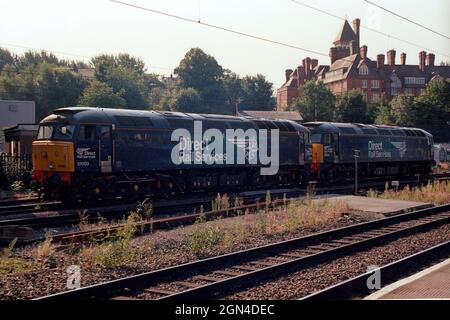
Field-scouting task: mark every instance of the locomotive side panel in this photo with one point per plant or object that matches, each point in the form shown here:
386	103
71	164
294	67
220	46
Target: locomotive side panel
384	148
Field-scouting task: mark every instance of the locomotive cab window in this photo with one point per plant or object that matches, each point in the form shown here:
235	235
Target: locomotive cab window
64	132
327	138
45	132
105	133
316	138
87	133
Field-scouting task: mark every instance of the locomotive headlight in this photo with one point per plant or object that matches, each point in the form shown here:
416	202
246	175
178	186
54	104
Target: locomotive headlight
50	165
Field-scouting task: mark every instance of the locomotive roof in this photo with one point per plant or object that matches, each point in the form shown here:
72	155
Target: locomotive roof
161	119
358	128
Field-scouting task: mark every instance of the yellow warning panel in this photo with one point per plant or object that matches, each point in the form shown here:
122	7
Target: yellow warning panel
53	156
317	153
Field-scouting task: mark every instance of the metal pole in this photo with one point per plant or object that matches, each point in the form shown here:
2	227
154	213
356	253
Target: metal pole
356	155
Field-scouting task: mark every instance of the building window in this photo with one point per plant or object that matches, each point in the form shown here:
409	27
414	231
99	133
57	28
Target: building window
395	85
375	84
363	83
414	80
363	70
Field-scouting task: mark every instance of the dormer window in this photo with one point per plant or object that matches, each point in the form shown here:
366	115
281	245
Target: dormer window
363	70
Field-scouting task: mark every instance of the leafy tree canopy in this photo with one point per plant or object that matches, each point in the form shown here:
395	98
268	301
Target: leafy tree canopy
199	70
315	103
351	107
99	94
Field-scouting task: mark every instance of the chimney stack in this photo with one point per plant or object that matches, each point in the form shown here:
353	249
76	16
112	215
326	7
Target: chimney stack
356	26
314	63
333	54
380	61
300	74
288	73
391	57
308	67
430	59
403	59
422	57
363	52
353	47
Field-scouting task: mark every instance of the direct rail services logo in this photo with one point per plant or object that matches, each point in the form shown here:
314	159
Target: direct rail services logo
234	147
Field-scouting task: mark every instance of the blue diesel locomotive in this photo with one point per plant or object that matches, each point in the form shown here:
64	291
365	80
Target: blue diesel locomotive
383	151
92	152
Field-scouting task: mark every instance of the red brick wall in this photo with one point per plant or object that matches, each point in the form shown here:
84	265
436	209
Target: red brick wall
285	96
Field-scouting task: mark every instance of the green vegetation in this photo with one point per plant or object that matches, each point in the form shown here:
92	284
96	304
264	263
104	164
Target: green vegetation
431	108
437	193
205	236
316	102
122	80
117	250
351	107
10	264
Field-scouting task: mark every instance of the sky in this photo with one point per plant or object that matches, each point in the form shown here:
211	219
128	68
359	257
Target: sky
85	28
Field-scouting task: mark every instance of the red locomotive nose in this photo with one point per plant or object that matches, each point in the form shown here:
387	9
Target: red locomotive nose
38	175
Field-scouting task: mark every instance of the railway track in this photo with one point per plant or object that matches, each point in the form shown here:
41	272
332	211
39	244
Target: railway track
356	287
170	212
166	222
10	201
219	275
24	207
167	214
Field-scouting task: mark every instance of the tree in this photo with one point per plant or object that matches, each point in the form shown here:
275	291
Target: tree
99	94
351	107
126	76
188	100
5	58
105	62
380	112
199	70
48	85
257	93
232	85
35	58
431	108
384	115
434	103
57	88
18	86
405	110
315	102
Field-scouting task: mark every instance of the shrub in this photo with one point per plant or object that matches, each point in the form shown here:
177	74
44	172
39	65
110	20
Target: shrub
437	193
117	251
203	236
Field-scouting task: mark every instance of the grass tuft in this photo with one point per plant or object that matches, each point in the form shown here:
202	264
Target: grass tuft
437	193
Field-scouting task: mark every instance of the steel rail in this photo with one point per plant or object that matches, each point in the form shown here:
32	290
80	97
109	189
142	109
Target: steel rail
28	208
334	243
357	286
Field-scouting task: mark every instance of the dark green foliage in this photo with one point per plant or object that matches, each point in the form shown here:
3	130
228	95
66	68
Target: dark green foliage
351	107
100	95
315	103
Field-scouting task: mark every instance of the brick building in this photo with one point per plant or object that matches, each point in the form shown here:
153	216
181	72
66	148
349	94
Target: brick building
351	68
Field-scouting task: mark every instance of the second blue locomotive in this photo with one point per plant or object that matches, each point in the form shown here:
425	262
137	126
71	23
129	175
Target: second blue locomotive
382	151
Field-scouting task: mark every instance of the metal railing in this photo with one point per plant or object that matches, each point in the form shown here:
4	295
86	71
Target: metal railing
14	167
